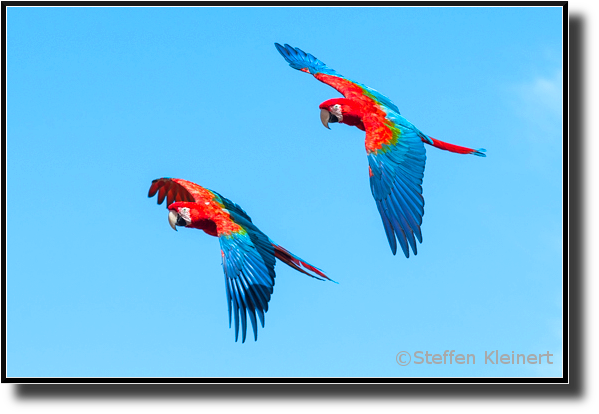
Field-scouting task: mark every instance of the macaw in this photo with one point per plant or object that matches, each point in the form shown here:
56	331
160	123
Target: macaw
248	255
395	147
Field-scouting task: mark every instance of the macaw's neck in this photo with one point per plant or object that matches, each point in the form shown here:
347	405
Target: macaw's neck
220	225
207	225
351	110
215	222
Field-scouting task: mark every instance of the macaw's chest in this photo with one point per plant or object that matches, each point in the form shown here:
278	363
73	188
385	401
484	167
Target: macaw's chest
379	131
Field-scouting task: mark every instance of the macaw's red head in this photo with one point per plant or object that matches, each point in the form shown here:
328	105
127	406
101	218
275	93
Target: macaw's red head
340	110
179	215
187	214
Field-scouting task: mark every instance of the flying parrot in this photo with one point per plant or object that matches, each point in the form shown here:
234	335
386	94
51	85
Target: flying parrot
248	255
395	147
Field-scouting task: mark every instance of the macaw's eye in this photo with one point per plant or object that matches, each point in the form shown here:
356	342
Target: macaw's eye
181	221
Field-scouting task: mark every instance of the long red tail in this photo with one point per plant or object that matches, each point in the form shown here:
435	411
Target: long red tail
454	148
298	264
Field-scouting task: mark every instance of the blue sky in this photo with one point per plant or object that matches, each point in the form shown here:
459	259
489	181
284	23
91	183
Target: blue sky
103	100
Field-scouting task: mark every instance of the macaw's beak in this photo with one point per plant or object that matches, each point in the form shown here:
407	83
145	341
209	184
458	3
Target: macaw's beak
326	117
172	219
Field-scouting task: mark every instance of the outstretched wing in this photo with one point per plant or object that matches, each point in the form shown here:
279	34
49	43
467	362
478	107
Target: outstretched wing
248	262
305	62
396	160
175	189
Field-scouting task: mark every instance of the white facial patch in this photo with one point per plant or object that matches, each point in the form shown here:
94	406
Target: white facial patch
336	110
184	213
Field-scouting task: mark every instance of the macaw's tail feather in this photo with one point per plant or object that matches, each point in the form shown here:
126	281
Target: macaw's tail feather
298	264
454	148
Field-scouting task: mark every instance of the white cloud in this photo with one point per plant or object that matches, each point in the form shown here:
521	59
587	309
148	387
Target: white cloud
541	102
538	102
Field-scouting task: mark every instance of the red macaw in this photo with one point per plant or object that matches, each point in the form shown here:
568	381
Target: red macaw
248	254
395	149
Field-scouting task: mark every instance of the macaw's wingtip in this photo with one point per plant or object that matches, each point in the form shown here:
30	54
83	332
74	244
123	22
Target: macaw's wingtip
282	49
480	152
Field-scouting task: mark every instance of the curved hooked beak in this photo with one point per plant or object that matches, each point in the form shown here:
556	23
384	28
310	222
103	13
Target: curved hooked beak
172	219
326	117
